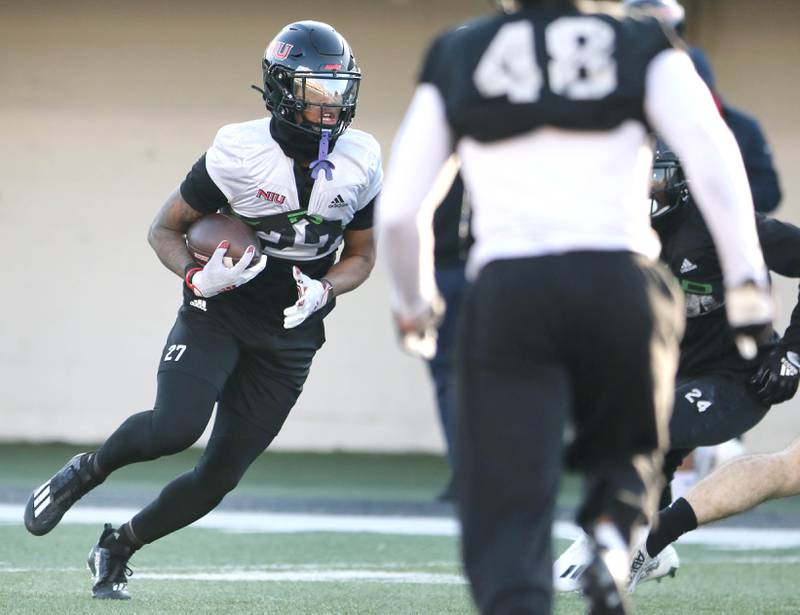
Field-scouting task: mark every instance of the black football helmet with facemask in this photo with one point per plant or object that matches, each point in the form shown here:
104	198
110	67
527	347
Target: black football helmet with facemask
311	84
669	190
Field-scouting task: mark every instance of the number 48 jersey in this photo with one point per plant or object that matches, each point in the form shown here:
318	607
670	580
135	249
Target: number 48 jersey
505	75
547	109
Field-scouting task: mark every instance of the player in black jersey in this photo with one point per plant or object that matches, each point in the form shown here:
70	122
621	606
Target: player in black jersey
568	315
244	337
718	395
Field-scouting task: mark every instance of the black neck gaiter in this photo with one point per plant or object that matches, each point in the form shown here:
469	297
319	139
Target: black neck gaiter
295	143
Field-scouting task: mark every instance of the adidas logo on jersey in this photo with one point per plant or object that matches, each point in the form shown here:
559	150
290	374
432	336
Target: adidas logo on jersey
687	266
200	304
338	202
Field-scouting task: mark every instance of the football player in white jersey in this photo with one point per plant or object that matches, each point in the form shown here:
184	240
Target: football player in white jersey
245	336
568	315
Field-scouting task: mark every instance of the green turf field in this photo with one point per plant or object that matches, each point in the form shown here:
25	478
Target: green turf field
215	571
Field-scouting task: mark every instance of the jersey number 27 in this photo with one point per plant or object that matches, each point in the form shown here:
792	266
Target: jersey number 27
580	63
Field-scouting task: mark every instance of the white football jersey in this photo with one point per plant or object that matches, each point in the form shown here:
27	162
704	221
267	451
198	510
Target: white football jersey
258	181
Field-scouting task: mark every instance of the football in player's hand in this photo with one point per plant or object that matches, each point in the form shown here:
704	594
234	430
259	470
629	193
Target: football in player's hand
205	235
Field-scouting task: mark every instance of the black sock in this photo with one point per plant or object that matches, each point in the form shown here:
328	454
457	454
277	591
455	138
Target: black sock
95	469
122	540
673	522
128	538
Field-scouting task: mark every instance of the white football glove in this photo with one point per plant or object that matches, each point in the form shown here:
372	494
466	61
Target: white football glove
216	277
311	296
419	336
750	312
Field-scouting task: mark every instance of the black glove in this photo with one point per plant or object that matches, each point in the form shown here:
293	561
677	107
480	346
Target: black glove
777	378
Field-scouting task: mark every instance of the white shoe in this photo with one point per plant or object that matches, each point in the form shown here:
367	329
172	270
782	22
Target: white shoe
645	568
572	563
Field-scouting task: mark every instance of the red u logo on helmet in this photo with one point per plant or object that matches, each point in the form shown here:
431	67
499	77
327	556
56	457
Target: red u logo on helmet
281	50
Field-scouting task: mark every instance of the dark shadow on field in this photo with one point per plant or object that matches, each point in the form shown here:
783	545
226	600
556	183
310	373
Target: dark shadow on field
329	483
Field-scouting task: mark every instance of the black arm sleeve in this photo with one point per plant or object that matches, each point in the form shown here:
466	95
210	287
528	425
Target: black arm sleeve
780	242
363	219
200	191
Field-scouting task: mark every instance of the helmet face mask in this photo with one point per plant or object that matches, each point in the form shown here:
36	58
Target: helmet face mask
669	189
311	79
325	100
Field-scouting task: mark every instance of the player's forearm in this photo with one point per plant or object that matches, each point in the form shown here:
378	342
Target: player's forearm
414	285
350	272
406	249
167	233
170	247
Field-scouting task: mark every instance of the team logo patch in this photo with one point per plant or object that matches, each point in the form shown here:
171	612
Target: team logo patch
271	197
281	50
338	202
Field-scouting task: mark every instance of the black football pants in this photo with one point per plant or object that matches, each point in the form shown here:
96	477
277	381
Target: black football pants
585	338
708	410
255	373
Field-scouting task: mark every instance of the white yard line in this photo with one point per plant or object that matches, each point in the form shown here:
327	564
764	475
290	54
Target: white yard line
311	576
267	522
279	523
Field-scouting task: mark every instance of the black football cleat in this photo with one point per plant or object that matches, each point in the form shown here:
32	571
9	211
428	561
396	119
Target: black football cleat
49	502
108	563
602	592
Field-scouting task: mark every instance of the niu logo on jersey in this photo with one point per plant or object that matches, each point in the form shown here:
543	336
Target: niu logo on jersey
281	50
271	197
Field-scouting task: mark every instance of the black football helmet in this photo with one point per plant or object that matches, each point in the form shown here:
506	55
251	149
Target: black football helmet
669	189
668	11
311	79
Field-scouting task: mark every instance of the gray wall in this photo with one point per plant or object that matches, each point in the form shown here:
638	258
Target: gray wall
105	105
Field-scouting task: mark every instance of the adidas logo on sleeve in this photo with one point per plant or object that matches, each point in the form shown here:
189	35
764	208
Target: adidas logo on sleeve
338	202
687	266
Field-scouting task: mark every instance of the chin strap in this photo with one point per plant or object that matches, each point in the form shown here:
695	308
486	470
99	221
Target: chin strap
260	91
322	163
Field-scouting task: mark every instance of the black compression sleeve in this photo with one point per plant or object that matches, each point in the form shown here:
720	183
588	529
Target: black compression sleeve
780	242
364	217
200	191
